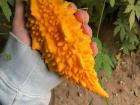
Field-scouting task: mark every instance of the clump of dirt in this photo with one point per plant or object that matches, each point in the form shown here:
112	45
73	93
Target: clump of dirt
123	87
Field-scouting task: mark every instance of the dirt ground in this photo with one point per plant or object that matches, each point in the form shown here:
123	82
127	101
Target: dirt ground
123	87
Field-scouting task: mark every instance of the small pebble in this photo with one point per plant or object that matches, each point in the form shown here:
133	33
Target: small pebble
115	94
79	94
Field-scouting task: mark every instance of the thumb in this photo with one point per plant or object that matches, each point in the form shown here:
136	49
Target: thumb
18	26
18	21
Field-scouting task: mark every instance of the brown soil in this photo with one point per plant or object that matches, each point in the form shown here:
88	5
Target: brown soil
123	87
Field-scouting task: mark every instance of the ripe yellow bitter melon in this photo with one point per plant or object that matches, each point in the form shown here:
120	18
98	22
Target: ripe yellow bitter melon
57	34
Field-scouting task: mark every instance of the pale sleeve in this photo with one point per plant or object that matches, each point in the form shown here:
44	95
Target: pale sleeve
23	75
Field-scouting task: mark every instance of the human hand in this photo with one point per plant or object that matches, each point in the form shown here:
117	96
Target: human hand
83	17
19	29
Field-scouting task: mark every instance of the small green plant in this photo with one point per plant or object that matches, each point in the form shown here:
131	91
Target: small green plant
105	60
128	38
128	17
133	9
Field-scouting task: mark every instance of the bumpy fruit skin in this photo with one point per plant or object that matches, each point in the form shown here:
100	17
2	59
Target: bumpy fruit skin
57	34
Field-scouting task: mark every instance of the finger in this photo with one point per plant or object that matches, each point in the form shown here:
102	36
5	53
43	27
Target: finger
82	16
72	6
94	48
87	30
18	20
18	27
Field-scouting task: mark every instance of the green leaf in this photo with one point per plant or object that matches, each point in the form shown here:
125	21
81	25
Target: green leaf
122	34
107	58
108	70
99	44
132	19
104	62
137	10
98	62
134	10
112	57
117	30
11	2
131	2
132	38
112	3
131	43
121	28
6	9
107	66
128	9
